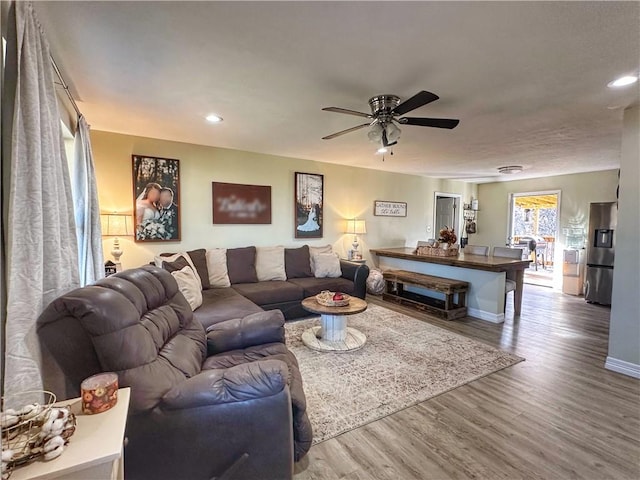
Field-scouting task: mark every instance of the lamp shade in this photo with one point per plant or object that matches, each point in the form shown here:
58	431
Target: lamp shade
375	134
356	227
116	224
393	132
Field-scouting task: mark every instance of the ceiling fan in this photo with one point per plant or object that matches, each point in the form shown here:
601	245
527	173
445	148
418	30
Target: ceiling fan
387	112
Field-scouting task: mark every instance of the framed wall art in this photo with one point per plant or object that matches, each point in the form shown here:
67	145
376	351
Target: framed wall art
241	204
385	208
156	199
309	201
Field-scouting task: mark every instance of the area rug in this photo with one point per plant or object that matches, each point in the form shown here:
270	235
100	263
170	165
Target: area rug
405	361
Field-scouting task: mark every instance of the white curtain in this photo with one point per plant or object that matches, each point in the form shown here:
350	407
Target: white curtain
41	251
87	210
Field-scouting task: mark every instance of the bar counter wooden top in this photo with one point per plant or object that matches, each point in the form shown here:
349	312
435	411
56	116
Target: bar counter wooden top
478	262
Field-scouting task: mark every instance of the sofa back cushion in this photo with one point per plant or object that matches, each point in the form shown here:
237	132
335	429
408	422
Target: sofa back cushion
196	258
297	262
327	265
189	285
313	251
241	265
217	267
135	323
270	264
199	259
177	265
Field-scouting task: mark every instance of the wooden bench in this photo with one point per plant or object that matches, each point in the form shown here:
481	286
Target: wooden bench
396	280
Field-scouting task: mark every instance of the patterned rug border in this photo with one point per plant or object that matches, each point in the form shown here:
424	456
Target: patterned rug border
294	329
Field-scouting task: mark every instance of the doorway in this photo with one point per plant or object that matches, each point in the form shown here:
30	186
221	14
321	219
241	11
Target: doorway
446	212
533	226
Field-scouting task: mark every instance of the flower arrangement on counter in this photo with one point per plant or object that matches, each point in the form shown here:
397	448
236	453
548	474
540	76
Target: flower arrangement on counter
447	235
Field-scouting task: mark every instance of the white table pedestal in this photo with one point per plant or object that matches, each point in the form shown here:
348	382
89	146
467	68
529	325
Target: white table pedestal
334	328
333	335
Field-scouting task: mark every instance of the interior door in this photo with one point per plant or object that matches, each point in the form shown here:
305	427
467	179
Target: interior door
446	208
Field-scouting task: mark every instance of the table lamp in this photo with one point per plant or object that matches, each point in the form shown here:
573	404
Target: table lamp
116	225
356	227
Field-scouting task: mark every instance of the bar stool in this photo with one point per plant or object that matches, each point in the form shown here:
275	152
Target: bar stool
477	250
506	252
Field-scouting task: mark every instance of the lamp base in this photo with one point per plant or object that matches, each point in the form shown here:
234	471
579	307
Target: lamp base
117	253
355	254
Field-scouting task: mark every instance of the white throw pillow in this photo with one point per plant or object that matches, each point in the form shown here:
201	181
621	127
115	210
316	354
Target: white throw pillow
158	262
327	265
189	285
270	264
217	266
313	251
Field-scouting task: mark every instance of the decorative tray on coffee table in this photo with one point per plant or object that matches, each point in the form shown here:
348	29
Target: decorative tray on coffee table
326	298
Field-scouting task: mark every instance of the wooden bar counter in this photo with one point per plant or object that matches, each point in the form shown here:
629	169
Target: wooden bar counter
486	299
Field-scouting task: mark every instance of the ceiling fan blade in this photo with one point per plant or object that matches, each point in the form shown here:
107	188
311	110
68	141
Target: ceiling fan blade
347	111
430	122
418	100
348	130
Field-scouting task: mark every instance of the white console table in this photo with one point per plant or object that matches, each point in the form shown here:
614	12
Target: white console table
95	450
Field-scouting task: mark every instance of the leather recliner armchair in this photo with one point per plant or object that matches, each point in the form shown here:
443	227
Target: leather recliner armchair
201	404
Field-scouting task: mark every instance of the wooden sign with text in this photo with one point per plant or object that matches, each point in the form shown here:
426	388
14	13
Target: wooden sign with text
241	204
385	208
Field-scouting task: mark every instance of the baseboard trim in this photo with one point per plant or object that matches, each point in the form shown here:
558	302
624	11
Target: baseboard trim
620	366
487	316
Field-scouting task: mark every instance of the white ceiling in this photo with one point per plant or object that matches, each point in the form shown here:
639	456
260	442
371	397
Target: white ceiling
526	79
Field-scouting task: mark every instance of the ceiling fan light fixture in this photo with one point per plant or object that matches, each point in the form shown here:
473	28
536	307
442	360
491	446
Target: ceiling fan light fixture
510	169
382	150
375	134
393	132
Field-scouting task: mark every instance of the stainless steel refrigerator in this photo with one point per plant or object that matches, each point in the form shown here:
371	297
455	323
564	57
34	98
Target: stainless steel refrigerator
600	252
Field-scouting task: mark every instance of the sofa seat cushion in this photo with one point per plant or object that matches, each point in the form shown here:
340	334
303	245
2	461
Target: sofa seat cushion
265	293
220	304
313	286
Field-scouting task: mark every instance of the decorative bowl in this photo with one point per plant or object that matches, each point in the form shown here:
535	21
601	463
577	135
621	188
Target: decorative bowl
326	298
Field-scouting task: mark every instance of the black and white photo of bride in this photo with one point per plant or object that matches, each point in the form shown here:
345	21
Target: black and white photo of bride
309	199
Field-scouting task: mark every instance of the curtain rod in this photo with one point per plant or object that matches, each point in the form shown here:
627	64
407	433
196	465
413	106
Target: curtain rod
65	87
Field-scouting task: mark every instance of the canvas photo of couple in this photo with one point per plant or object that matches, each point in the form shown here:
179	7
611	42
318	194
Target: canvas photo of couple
156	192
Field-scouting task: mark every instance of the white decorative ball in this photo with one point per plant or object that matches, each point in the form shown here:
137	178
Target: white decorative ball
375	282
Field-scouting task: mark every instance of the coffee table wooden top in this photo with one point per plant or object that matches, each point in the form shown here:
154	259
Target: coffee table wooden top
356	305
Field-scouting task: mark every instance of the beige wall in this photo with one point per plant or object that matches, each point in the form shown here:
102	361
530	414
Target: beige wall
349	192
577	191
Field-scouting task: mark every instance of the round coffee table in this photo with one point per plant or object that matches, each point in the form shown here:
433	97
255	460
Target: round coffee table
333	335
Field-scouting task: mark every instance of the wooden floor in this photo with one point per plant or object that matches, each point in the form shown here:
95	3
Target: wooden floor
558	415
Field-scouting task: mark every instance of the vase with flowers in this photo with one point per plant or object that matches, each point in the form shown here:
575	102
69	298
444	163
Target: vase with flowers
447	237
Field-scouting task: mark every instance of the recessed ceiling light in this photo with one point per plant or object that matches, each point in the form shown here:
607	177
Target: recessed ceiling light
382	150
213	118
509	169
623	81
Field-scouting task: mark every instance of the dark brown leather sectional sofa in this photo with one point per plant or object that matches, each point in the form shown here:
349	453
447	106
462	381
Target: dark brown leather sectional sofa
202	404
214	390
250	296
240	299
